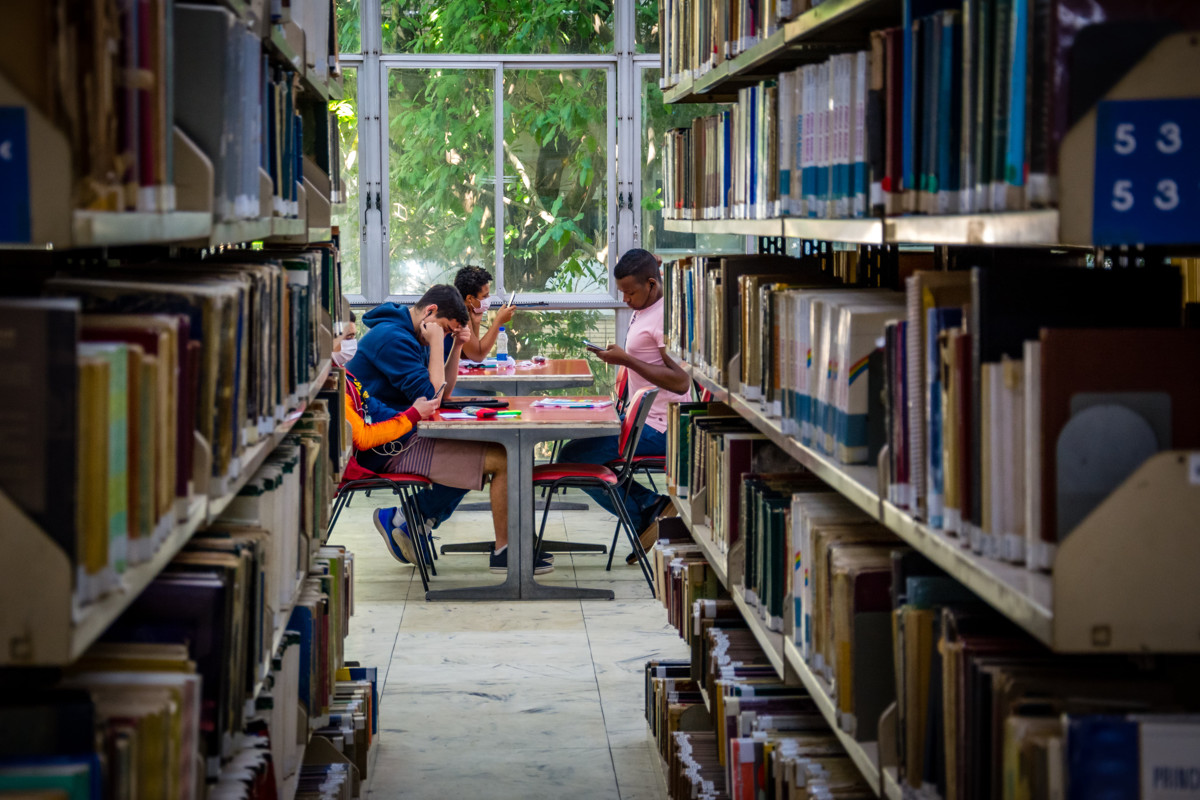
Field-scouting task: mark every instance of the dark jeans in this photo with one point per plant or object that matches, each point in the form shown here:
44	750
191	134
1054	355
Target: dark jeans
602	450
438	502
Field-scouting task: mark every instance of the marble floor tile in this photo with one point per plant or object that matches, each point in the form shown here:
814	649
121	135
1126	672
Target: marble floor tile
455	771
508	699
639	771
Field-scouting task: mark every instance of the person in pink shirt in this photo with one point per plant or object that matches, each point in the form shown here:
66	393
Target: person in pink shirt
645	355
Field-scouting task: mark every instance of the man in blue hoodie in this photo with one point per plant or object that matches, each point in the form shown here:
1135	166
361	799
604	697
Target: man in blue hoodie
401	358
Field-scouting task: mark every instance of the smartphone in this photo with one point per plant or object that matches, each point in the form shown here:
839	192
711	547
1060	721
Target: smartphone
592	345
512	299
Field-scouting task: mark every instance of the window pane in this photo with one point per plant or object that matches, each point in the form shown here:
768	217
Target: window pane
657	119
497	26
646	26
557	334
440	178
349	40
346	215
556	180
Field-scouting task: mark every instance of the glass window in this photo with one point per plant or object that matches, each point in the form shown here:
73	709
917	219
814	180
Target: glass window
657	119
346	215
646	26
349	40
440	175
556	181
559	334
497	26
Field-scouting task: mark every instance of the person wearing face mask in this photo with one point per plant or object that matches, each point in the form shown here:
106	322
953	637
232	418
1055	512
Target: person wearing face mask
400	360
645	355
345	344
475	285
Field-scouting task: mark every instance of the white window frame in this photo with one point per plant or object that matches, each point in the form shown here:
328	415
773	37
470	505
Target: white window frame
624	71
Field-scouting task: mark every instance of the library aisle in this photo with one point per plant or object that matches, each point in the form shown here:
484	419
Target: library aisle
507	700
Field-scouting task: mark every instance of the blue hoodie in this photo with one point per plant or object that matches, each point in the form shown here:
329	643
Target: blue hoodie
392	364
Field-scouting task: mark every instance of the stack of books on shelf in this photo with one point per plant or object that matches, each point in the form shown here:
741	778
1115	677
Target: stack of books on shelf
983	387
912	672
961	108
699	36
160	107
727	726
158	383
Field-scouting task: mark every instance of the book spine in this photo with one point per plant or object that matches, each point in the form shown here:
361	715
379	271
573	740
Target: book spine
1001	68
1014	162
861	181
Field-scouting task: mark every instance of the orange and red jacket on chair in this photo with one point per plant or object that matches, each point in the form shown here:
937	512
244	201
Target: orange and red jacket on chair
367	432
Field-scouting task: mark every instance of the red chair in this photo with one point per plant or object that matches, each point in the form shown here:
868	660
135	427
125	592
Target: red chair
557	476
357	478
622	389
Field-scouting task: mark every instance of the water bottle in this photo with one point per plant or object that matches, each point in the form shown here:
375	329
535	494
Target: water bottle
502	345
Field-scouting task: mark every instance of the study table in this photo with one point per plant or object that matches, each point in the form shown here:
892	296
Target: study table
519	436
555	373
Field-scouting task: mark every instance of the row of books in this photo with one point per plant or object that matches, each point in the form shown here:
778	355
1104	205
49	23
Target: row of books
122	82
126	371
985	387
700	35
178	693
908	655
961	109
754	737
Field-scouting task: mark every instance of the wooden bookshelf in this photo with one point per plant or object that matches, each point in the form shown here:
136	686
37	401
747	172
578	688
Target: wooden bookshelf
287	227
1025	228
865	755
114	228
1020	594
246	230
94	618
782	653
746	227
834	22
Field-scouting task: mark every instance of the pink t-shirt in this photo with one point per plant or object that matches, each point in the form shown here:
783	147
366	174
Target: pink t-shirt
643	342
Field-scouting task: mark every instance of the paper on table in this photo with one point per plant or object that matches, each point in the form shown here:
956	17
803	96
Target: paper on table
456	415
566	402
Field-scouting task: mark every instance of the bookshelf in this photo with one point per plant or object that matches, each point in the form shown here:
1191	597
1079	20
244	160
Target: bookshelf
833	22
61	640
1024	228
781	652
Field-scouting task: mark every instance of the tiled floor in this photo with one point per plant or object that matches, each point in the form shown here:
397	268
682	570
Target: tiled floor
508	700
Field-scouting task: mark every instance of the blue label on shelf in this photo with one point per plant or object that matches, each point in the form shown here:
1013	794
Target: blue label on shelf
1147	177
14	176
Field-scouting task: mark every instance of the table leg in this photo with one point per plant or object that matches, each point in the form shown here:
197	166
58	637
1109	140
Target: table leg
519	583
520	547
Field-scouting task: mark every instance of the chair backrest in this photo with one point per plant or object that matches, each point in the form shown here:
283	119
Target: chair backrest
622	389
635	420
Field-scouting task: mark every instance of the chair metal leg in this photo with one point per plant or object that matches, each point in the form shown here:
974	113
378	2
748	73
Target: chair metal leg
537	549
339	502
406	508
653	485
633	538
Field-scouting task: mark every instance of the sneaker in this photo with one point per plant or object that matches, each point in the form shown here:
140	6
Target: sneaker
398	542
498	562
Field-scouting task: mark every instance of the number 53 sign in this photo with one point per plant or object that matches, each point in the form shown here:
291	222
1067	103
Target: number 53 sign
1147	178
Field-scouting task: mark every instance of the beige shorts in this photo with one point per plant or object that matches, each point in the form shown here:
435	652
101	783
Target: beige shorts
450	462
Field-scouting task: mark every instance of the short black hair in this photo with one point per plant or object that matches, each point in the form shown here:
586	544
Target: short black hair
449	303
471	280
638	263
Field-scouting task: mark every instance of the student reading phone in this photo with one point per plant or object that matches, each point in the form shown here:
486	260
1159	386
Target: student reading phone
645	355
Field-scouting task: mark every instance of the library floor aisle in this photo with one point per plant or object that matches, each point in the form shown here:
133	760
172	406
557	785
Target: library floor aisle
507	700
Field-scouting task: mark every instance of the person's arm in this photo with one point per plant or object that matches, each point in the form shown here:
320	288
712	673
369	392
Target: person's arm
367	436
473	349
460	339
485	343
667	375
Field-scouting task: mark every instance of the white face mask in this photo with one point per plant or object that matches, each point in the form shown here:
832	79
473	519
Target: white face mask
343	356
484	305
